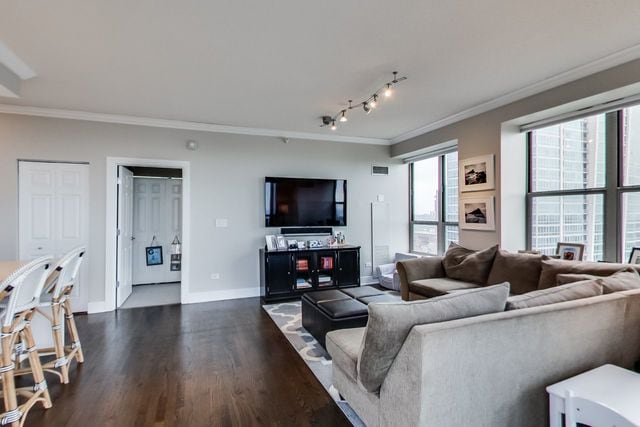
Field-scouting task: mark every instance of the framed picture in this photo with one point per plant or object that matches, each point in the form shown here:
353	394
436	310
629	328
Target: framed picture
293	244
476	174
154	255
477	213
281	243
272	242
635	256
570	251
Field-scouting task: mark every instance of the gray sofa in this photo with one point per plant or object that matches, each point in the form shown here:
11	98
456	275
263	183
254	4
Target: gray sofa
488	368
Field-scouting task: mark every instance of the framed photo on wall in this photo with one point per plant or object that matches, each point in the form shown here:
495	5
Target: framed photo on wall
477	213
570	251
634	258
154	255
476	174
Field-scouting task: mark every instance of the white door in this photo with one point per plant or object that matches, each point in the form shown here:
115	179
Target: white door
157	213
54	215
125	235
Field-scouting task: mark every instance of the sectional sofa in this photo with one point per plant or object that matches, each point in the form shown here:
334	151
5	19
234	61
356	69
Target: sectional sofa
453	356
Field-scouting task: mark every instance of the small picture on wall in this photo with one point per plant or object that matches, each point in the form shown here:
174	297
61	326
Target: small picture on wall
635	256
476	174
154	255
477	214
570	251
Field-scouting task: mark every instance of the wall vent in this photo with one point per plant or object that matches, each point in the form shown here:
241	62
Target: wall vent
379	170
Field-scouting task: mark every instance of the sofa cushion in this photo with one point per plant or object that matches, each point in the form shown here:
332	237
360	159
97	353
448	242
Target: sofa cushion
566	278
569	292
624	280
552	267
389	324
467	265
522	271
344	346
440	286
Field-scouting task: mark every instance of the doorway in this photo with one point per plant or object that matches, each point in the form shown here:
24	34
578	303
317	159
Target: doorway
147	228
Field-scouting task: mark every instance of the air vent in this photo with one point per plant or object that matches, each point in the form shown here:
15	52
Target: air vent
379	170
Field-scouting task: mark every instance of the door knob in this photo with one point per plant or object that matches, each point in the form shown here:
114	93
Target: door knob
39	248
133	238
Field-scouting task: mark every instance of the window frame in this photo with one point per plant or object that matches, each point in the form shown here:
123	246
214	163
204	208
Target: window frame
441	223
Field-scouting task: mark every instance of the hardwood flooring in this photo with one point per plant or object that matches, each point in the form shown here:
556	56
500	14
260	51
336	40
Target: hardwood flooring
222	363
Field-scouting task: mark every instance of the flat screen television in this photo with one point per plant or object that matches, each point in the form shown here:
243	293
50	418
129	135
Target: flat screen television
303	202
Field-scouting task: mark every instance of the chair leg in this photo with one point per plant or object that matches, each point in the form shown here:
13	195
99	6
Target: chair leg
73	331
34	362
12	415
58	343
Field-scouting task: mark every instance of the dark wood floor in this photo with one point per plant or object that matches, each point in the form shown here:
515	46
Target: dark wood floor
222	363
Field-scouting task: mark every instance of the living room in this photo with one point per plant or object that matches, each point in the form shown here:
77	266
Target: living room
442	124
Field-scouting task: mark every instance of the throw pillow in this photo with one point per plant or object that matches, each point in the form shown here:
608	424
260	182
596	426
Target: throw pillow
570	292
389	325
467	265
566	278
624	280
522	271
552	267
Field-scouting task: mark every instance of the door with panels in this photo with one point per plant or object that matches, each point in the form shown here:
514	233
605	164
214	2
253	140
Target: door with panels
157	213
53	215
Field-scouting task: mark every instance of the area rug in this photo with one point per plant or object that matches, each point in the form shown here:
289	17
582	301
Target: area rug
288	317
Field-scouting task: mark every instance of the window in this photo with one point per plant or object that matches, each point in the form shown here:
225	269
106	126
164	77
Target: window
584	174
434	203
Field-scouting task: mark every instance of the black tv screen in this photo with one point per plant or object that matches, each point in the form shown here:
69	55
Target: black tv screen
302	202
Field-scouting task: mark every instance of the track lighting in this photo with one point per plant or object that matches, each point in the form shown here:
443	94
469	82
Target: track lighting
367	105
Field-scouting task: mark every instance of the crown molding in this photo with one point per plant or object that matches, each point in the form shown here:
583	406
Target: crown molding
604	63
181	125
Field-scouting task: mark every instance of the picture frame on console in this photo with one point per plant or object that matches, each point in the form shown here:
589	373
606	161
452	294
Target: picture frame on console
476	174
272	242
570	251
634	258
282	243
477	213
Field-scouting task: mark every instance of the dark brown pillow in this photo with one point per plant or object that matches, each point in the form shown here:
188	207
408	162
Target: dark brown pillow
570	292
467	265
552	267
522	271
624	280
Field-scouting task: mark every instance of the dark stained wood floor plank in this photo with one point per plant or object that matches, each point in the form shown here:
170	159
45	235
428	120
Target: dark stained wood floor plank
214	364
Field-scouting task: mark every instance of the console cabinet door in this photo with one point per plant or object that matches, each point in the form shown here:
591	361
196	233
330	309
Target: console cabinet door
279	280
348	268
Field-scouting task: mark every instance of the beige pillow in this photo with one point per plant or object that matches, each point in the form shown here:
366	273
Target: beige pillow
566	278
522	271
570	292
552	267
389	325
624	280
467	265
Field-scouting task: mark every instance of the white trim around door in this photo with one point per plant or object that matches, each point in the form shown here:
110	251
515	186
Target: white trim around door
111	228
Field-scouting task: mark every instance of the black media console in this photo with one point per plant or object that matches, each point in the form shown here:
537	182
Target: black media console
288	274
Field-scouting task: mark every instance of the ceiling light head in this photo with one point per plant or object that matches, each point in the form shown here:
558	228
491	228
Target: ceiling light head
366	107
333	125
374	102
343	118
326	120
388	91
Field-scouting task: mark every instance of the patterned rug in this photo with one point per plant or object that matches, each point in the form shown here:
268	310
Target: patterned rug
288	317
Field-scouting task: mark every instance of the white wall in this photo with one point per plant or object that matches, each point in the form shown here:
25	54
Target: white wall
227	174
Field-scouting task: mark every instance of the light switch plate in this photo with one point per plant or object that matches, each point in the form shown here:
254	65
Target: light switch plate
381	197
222	222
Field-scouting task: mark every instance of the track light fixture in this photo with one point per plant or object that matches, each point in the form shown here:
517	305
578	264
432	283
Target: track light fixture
367	105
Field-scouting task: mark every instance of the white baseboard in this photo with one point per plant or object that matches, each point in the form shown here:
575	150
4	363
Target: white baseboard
368	280
96	307
196	297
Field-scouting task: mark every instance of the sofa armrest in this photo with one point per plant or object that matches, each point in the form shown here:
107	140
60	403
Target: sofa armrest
428	267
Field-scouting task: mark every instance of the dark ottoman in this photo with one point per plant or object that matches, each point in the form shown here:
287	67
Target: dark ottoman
326	311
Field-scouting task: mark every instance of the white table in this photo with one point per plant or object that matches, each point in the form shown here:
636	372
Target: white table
609	385
40	326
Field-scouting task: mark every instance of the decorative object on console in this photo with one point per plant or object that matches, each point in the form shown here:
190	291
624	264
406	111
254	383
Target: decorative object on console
282	244
367	105
477	213
292	244
634	258
570	251
272	242
315	244
476	174
301	244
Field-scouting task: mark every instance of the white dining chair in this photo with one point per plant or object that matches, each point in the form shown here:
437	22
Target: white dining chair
56	300
588	412
23	288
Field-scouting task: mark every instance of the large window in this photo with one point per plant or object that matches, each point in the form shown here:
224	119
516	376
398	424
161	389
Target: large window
584	185
434	203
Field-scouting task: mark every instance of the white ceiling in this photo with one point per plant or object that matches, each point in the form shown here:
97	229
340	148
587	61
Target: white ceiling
283	64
